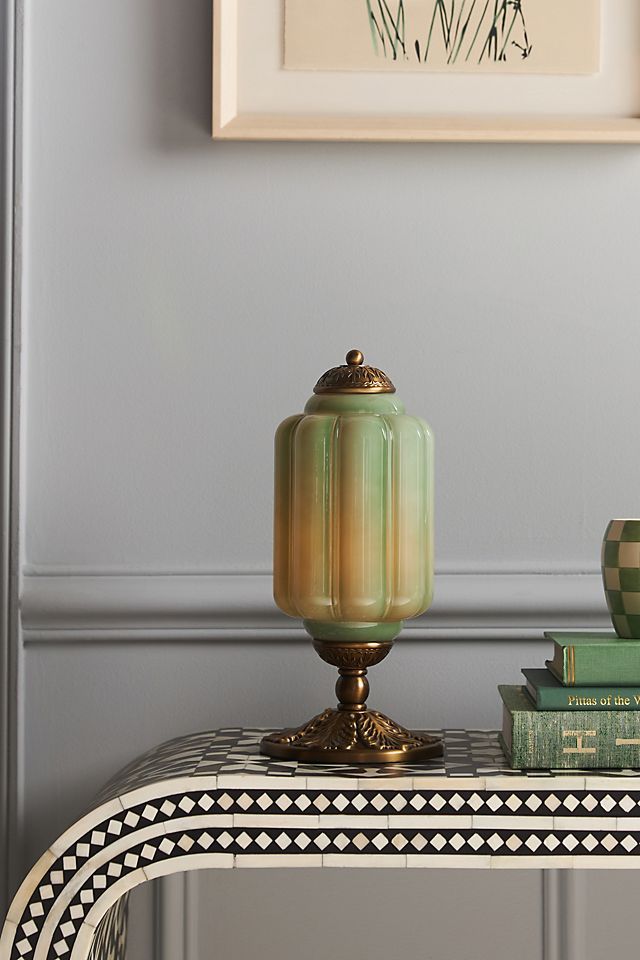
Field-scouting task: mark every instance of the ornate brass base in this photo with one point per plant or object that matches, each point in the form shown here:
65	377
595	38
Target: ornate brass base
336	736
351	734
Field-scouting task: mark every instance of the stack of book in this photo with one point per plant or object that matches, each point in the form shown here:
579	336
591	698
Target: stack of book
582	711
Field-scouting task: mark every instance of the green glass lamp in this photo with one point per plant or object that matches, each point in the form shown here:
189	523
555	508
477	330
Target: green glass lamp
353	552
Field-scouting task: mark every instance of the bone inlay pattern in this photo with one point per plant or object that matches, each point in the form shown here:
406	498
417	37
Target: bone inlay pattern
211	800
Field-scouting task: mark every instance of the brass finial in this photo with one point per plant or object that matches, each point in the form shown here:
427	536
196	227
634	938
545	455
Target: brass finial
354	377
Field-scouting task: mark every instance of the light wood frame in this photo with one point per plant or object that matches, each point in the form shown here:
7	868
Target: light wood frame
230	124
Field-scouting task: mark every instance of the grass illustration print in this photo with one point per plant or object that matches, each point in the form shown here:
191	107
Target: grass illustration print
478	30
501	37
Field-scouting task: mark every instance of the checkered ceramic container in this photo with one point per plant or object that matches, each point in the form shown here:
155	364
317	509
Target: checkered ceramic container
621	576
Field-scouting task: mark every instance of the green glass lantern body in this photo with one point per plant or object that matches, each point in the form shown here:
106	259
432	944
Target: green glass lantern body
353	544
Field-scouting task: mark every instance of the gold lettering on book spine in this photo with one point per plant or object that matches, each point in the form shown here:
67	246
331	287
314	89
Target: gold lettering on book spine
579	735
571	665
620	742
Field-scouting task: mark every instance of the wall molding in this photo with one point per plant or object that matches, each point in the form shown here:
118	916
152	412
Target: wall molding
115	607
11	16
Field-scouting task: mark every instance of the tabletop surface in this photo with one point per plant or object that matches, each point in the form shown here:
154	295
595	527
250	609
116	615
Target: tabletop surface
232	756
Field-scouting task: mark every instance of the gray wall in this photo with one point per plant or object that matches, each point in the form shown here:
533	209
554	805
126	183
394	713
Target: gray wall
180	298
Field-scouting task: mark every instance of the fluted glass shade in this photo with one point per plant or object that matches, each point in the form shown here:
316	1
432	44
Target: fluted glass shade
353	537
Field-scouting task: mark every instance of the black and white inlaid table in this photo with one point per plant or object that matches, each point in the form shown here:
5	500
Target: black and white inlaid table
210	800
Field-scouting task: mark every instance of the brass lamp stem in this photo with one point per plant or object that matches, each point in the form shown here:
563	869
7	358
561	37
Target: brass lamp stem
352	689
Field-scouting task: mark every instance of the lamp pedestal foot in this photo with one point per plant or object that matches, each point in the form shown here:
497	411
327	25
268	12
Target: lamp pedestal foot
351	733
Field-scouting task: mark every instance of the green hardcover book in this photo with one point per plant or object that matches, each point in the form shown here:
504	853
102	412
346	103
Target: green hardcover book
548	693
595	659
562	739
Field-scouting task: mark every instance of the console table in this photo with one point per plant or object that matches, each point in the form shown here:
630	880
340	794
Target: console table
210	800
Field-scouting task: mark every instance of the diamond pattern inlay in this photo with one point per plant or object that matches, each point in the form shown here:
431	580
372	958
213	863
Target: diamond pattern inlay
467	804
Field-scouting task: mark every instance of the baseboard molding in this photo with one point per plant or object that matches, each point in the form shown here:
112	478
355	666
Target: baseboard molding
107	607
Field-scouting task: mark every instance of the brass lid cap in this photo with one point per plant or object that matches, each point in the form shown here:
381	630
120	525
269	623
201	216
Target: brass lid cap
354	377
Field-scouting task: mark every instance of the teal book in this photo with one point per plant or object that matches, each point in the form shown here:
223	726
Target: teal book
548	693
563	739
594	659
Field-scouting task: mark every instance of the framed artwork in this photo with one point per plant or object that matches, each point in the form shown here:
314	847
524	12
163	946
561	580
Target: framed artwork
448	70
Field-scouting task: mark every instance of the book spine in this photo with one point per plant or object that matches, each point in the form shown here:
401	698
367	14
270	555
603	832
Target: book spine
585	698
560	739
596	665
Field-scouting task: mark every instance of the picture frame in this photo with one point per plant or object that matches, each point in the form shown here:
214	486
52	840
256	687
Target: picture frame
254	98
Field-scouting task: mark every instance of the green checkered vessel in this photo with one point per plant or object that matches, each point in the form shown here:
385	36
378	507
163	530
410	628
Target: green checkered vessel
621	576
